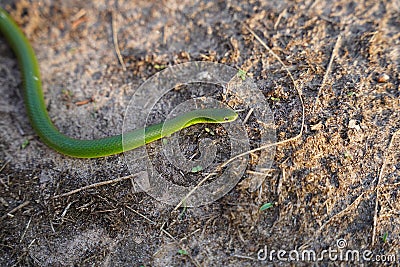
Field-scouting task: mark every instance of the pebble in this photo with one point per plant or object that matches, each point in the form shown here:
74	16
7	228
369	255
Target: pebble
382	78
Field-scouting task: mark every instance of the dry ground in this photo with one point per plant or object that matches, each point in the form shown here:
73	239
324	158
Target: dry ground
338	181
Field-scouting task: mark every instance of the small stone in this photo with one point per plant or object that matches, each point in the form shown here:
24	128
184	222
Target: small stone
44	177
353	125
382	78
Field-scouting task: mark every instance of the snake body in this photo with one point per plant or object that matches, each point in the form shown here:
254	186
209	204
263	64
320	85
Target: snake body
50	135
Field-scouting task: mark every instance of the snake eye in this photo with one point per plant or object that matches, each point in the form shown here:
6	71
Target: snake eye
226	119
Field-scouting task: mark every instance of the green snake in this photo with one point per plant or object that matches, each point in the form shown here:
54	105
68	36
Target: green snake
50	135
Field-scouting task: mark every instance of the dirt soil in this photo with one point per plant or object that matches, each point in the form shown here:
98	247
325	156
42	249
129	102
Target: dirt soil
336	187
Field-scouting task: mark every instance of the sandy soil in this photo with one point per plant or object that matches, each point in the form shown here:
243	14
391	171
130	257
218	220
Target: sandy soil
333	187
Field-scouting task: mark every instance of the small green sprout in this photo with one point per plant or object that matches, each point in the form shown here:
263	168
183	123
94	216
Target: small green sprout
208	130
241	74
25	144
351	93
266	206
182	252
384	237
183	212
159	67
275	98
67	92
197	169
72	50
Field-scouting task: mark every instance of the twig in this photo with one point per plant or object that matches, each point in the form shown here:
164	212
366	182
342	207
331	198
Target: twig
192	191
377	187
4	165
141	215
390	185
115	41
15	209
26	229
313	5
279	18
96	185
328	69
248	116
66	210
166	232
